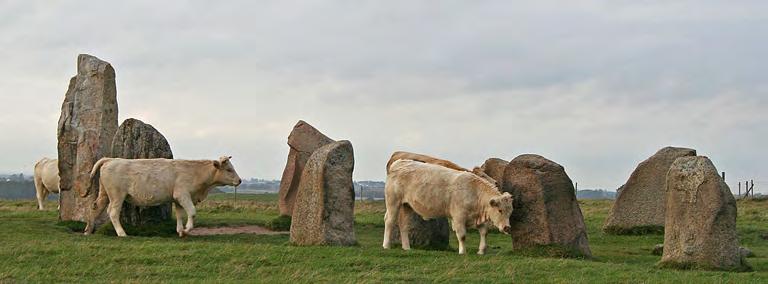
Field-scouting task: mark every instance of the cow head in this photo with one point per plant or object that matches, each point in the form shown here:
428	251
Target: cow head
479	172
500	210
225	172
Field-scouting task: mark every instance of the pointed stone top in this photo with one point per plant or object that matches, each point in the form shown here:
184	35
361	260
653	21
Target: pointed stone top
306	138
536	162
89	64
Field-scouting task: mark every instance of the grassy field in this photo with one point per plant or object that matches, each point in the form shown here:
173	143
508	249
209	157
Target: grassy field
34	247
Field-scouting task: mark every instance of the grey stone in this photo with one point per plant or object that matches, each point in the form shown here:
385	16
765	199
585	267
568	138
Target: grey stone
546	211
700	229
85	130
325	201
640	204
422	234
137	140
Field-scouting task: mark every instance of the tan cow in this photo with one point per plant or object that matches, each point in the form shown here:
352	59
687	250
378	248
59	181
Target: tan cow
151	182
434	191
402	155
46	179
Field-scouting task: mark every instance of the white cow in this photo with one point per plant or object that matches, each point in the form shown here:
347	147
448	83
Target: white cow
46	179
434	191
151	182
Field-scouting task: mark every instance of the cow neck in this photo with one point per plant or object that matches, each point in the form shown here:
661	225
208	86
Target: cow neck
484	194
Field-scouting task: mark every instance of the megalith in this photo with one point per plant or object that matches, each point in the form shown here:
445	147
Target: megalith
85	130
325	200
137	140
494	168
303	141
640	204
546	212
700	229
422	234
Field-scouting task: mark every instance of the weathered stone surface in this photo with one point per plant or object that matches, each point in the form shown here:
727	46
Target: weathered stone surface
494	167
700	229
325	201
87	124
137	140
745	252
640	205
546	212
423	234
303	141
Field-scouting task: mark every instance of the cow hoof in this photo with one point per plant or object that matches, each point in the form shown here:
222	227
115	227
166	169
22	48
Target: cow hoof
480	252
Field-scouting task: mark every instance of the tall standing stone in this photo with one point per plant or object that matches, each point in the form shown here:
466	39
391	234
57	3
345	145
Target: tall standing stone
701	219
641	201
546	212
422	234
137	140
325	201
303	141
86	127
494	167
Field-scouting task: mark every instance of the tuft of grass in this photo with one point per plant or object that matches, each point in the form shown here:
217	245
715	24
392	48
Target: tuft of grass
634	231
164	229
281	223
744	267
550	251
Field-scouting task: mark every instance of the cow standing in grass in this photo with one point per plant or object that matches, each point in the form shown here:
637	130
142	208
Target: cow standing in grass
46	179
434	191
151	182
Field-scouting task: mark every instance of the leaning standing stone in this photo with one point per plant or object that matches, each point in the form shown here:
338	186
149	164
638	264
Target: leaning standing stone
545	210
303	141
325	201
700	227
640	205
137	140
87	124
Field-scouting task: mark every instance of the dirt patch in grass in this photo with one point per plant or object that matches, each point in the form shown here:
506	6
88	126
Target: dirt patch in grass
255	230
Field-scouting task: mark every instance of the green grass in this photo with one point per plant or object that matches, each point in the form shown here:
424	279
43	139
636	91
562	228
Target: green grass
35	247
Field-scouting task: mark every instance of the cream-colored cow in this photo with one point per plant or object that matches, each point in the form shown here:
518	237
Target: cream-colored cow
402	155
151	182
434	191
46	179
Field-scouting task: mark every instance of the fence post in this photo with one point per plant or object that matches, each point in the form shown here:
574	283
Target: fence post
739	196
723	176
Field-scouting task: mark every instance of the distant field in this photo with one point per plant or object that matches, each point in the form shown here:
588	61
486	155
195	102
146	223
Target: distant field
34	248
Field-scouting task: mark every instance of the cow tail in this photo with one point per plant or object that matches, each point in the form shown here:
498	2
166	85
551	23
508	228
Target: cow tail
95	174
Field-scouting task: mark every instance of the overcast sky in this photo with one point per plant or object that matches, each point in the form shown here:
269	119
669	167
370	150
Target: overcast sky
597	86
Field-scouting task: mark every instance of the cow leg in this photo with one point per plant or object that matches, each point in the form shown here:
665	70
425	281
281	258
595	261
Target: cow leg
115	206
483	232
40	192
461	234
405	228
390	217
179	219
186	202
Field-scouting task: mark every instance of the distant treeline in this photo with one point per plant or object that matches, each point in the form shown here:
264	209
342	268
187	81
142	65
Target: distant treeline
18	189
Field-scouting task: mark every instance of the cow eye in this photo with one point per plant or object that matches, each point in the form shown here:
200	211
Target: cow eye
499	210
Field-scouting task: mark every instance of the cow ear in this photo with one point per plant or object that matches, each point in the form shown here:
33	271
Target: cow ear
217	164
494	202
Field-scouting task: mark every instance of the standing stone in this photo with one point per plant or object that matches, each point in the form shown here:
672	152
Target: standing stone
137	140
87	124
494	167
303	141
422	234
701	219
325	201
640	205
546	212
